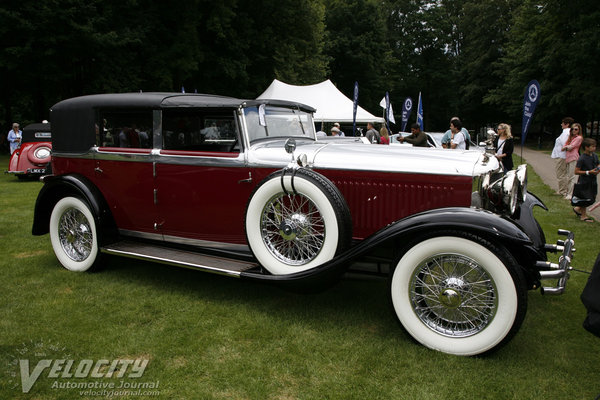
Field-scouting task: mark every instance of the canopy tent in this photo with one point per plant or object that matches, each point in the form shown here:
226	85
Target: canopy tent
331	104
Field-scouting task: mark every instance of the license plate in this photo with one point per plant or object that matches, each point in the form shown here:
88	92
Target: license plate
38	170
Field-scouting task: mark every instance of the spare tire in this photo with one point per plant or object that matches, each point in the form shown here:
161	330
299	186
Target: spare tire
297	220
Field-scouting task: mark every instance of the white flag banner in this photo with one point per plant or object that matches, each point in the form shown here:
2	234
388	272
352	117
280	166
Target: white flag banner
390	116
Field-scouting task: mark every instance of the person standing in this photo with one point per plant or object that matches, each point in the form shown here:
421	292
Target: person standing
341	133
448	134
372	135
417	138
572	149
384	136
504	146
560	155
14	137
587	186
457	137
335	132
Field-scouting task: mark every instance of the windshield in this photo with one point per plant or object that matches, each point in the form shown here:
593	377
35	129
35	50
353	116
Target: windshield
271	122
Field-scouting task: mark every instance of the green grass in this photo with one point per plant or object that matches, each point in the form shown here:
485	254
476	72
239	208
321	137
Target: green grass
212	337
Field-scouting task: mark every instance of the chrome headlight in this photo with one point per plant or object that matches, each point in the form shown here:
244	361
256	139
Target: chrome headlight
522	177
42	152
499	192
510	191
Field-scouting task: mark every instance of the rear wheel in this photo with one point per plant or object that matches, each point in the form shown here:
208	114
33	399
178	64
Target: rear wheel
459	295
73	234
298	230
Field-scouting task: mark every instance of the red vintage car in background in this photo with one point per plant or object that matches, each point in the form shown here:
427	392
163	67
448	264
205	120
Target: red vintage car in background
243	188
32	158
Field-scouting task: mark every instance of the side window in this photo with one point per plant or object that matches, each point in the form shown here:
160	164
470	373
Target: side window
200	130
129	129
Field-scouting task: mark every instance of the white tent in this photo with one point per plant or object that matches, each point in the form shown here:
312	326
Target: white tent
331	104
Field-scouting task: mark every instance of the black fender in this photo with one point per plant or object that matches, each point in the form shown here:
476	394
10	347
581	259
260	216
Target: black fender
483	223
57	187
525	219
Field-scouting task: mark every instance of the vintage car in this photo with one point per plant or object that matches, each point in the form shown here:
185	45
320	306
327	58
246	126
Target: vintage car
434	139
242	188
32	158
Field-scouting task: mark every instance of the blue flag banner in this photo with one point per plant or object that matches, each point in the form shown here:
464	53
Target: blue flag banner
354	107
387	112
531	100
406	110
420	113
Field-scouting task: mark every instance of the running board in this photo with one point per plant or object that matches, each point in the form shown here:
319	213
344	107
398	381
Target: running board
179	258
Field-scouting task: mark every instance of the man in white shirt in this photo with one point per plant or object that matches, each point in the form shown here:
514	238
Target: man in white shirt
457	138
560	155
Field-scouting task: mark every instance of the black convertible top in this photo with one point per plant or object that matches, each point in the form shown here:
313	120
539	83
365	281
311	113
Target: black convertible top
73	119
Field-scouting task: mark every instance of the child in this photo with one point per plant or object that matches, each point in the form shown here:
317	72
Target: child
587	169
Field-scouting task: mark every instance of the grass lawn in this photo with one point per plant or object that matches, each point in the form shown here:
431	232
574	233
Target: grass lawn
212	337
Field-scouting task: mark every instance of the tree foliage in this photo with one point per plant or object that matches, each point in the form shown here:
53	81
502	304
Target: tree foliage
469	58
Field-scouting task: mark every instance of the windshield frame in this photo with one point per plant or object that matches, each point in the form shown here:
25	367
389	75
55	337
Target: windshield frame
275	115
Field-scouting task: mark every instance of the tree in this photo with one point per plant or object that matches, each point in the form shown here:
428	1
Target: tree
358	49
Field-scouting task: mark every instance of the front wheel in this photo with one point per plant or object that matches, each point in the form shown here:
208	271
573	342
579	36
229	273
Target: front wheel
459	295
297	222
73	234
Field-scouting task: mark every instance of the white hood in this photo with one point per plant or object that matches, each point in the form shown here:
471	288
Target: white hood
366	157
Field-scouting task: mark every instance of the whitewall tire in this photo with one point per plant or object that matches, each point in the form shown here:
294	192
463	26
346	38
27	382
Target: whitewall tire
73	234
299	230
456	295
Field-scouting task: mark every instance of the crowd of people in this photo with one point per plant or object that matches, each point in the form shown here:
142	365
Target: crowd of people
576	160
576	167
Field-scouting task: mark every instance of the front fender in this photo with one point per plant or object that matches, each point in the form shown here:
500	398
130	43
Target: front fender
58	187
480	222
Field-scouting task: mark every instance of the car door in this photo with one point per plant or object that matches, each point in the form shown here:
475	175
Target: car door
202	180
123	168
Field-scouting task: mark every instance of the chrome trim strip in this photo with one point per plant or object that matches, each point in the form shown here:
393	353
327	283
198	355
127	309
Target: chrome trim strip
162	260
155	156
202	160
141	235
207	243
186	241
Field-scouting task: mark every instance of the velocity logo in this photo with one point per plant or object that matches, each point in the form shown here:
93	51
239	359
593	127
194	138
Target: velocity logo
65	369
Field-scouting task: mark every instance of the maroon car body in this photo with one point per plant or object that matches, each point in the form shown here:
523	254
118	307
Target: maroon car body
244	188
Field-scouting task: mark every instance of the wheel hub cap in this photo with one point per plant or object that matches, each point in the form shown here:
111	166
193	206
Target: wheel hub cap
292	229
453	295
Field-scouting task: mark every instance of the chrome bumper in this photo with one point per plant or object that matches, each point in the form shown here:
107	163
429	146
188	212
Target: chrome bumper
561	270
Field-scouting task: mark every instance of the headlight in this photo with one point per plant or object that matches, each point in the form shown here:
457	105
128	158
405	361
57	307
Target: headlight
522	177
510	191
501	193
42	152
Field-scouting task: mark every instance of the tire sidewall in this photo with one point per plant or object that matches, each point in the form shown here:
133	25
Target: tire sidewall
506	292
264	193
59	209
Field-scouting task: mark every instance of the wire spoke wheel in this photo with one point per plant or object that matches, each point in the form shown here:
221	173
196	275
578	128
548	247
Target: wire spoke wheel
453	295
292	228
458	293
296	222
76	237
73	235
